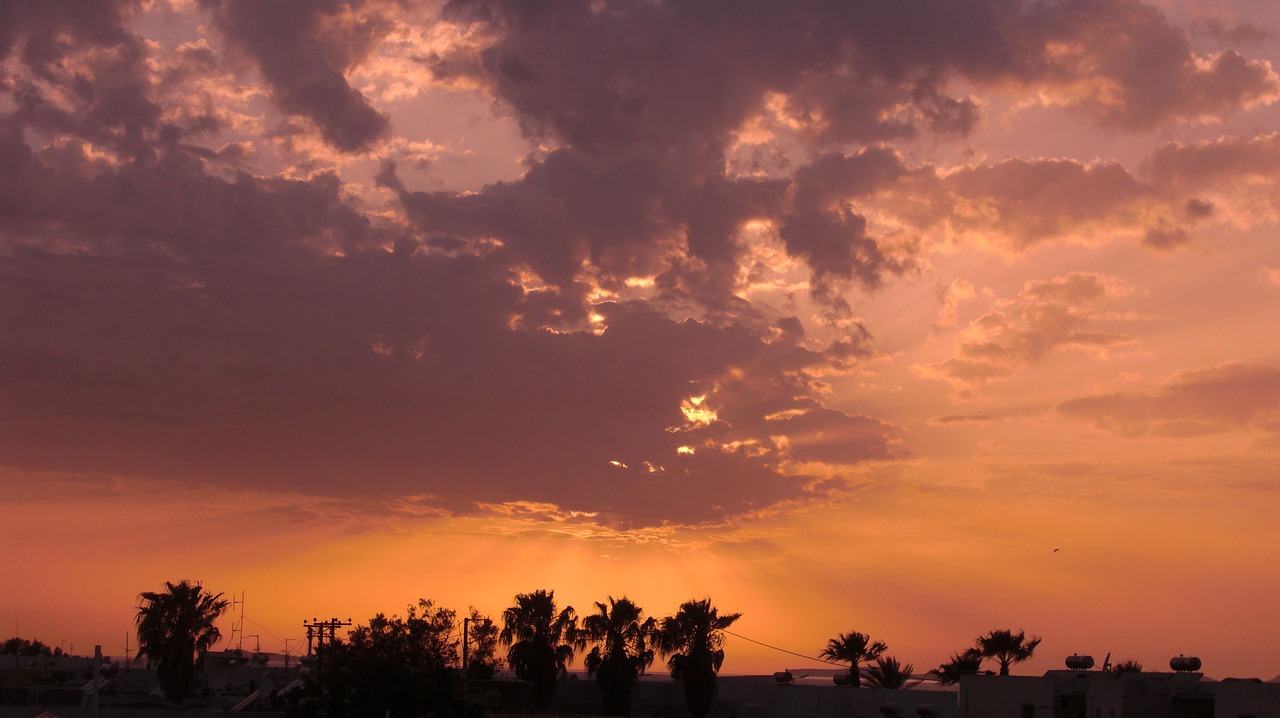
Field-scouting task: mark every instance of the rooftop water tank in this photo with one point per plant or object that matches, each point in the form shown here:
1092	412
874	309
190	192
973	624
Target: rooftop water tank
1079	663
1184	664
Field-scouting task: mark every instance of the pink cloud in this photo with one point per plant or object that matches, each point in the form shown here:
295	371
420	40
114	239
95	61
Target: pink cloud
1193	402
1047	316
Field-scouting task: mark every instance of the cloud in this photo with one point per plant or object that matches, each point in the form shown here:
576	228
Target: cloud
163	322
1233	33
1014	205
180	301
961	419
1046	316
585	73
833	437
85	73
824	227
304	50
635	179
1124	63
1028	201
1209	400
950	298
1229	179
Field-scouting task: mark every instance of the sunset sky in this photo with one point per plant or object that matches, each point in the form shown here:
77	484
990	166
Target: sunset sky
844	314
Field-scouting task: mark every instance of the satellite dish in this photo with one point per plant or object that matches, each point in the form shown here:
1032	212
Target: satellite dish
266	686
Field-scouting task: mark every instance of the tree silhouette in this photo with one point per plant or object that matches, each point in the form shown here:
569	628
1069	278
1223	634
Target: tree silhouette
889	673
483	660
392	666
175	629
855	649
1007	648
623	638
1126	667
965	663
694	640
541	641
23	647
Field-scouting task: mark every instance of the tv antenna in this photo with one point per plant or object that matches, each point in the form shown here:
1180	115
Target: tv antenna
237	627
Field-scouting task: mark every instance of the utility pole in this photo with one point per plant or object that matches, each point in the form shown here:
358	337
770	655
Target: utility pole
97	672
465	644
320	633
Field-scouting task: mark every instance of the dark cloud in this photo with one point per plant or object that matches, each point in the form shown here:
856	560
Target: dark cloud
1165	238
645	100
89	204
1233	34
631	215
588	73
165	322
1199	209
45	33
834	437
1200	401
1016	204
1123	62
824	226
304	50
87	73
168	313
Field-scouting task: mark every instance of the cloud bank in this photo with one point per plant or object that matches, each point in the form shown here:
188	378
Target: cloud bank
642	327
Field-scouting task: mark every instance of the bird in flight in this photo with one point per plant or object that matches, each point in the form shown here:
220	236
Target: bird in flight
1056	550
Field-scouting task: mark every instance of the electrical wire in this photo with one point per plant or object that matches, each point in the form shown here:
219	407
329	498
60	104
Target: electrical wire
781	650
264	630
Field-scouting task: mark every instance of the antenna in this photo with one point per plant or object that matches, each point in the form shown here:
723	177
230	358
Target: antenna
238	626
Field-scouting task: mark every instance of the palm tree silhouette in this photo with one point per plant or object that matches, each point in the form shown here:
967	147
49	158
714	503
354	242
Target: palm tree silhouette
889	673
855	649
542	642
694	640
965	663
623	638
175	629
1007	647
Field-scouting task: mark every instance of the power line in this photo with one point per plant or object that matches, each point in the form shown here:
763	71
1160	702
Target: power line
269	633
781	650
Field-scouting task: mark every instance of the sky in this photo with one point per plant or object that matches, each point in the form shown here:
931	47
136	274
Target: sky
913	319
